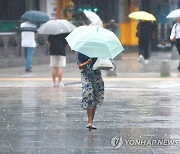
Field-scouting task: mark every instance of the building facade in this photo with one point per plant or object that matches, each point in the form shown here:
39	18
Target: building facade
120	9
106	9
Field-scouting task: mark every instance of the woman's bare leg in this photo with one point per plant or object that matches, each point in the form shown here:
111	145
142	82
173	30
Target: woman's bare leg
89	114
60	74
54	74
93	113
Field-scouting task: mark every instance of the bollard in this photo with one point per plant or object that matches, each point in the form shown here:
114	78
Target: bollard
174	54
113	71
165	68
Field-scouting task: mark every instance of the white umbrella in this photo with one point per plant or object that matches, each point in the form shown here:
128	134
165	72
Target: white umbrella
174	14
94	18
55	27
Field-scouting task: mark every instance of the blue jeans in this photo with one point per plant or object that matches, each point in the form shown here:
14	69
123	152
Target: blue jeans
28	53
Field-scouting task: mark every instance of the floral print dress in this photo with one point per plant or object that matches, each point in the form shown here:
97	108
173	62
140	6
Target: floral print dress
92	85
92	88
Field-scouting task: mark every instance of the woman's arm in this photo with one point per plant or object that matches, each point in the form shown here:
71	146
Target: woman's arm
173	33
49	40
48	43
83	65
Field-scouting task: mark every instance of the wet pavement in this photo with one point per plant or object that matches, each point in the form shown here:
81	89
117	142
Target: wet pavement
140	115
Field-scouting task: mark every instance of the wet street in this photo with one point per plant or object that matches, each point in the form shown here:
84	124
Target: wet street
136	44
139	115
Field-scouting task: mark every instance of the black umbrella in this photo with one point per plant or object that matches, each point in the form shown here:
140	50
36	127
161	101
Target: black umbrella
35	16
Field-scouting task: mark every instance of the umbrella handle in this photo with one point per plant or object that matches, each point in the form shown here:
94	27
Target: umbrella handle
88	65
97	29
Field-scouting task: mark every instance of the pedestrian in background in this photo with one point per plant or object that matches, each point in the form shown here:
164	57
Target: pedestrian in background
57	45
175	36
28	42
92	87
113	27
144	35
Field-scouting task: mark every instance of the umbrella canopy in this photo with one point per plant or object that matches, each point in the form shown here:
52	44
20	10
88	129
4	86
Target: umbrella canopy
35	16
174	14
94	42
142	15
54	27
94	18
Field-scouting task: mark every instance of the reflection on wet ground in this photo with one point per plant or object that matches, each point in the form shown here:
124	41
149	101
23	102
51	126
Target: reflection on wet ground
38	119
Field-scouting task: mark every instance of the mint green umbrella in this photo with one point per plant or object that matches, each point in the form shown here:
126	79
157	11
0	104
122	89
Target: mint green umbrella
95	42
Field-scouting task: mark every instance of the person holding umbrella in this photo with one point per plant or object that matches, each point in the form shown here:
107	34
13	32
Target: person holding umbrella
28	42
144	35
28	29
57	45
175	32
144	29
91	44
57	30
175	36
92	87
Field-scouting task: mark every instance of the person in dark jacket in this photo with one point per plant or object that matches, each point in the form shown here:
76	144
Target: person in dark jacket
113	27
57	45
144	35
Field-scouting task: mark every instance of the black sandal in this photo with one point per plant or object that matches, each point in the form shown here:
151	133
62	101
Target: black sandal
88	126
93	127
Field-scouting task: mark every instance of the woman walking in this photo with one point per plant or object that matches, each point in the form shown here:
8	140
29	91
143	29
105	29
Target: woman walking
92	87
